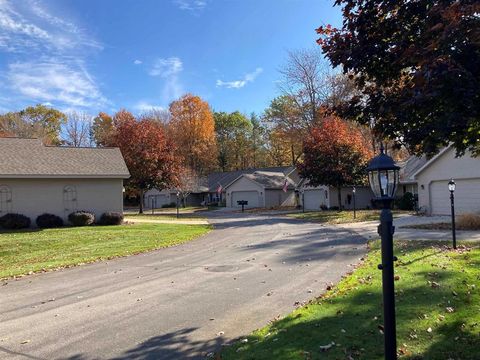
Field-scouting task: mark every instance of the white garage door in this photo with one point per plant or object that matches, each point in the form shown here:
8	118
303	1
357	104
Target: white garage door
467	197
314	199
250	196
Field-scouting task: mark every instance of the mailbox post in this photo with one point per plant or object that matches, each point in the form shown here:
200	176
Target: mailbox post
243	203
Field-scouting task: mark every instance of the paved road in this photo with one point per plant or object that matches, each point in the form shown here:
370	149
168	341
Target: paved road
176	303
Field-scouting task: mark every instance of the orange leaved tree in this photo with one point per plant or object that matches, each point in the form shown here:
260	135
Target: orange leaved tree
149	154
192	128
335	154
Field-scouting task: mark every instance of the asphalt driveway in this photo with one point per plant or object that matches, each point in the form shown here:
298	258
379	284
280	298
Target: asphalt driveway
176	303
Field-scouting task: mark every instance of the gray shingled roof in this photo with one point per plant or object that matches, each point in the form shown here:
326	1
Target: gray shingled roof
225	178
30	158
410	166
270	180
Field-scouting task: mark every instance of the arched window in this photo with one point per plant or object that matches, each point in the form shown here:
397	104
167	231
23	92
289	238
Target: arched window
5	200
70	199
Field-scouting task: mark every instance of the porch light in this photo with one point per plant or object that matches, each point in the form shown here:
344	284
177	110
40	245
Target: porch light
383	175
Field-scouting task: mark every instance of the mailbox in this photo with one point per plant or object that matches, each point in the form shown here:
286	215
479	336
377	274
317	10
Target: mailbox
243	203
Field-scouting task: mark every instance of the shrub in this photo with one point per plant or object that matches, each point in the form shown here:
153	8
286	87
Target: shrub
14	221
171	205
406	202
81	218
468	222
47	221
111	218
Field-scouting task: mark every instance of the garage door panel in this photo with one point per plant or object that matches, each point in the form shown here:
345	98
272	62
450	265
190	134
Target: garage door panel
467	196
251	196
314	199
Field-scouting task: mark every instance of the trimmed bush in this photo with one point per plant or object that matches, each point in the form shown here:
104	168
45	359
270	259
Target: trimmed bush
14	221
48	221
406	202
171	205
111	218
81	218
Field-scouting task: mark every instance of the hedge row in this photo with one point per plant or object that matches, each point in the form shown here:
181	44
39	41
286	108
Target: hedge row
13	221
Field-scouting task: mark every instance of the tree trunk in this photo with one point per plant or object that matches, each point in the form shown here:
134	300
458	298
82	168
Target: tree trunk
293	155
339	196
140	210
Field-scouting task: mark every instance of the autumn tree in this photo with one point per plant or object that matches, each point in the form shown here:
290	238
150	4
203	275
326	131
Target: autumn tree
102	129
233	132
334	155
188	183
149	154
285	119
192	127
416	66
77	129
38	121
258	142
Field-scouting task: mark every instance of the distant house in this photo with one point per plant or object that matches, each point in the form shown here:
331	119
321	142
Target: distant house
37	179
214	188
432	181
262	188
326	197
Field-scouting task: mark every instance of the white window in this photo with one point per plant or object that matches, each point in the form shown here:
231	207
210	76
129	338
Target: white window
5	200
69	199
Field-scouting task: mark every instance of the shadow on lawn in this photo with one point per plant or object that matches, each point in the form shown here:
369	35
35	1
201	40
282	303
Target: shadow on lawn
353	321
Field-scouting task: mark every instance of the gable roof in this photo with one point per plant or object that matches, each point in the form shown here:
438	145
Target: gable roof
226	178
267	179
410	166
31	159
430	162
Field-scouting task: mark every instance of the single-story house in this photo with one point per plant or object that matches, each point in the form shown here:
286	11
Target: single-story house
37	179
433	176
160	198
264	189
326	197
213	189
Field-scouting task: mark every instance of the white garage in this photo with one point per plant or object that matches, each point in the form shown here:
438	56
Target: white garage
314	199
251	196
433	177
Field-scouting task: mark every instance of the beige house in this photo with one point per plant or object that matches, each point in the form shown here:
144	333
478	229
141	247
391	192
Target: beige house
37	179
262	189
326	197
432	179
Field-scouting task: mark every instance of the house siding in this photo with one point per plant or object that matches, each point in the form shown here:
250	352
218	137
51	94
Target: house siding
275	198
33	197
465	170
244	184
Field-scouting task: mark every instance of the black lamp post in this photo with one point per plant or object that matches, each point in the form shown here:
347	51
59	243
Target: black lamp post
451	188
383	178
354	190
178	206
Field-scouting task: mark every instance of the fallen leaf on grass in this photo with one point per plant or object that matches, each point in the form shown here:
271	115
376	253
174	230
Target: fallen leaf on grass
327	347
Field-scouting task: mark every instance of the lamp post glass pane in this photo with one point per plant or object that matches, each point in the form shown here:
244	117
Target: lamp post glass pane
383	182
451	185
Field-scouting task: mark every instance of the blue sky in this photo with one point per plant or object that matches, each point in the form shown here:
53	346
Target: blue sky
91	55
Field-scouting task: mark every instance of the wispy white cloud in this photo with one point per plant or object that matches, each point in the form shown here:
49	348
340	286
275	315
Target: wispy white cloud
166	67
58	75
169	69
54	82
237	84
191	5
137	62
145	106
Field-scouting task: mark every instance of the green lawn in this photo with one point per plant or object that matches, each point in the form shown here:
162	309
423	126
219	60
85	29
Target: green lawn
34	250
172	217
341	217
438	312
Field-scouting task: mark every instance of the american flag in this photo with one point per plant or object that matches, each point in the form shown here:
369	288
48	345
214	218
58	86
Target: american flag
285	186
219	189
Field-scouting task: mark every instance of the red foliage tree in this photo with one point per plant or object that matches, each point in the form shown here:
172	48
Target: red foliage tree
335	154
148	153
